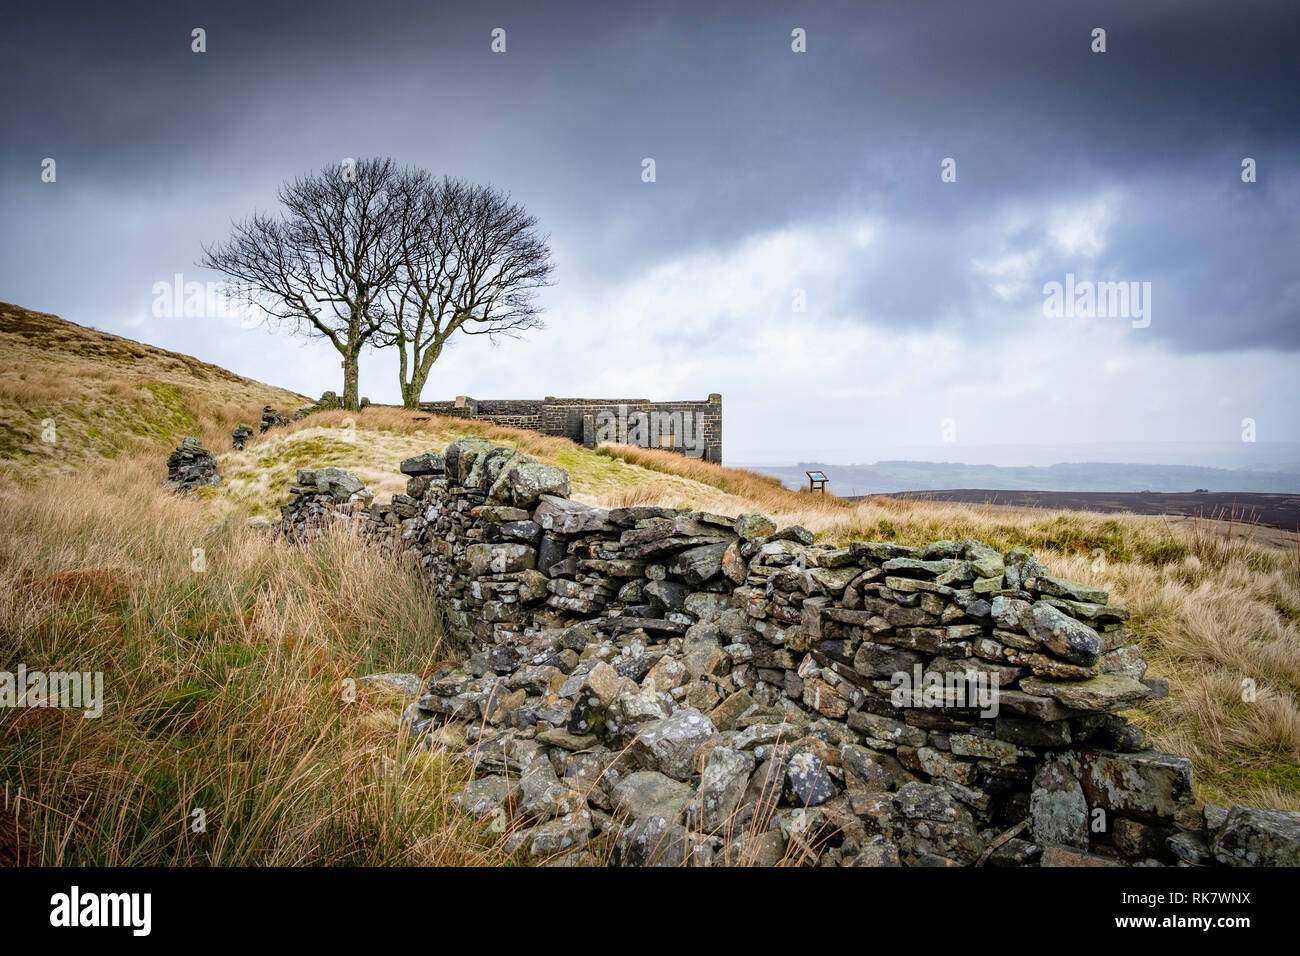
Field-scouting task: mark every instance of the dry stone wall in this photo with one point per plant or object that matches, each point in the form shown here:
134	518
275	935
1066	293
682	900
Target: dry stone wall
690	688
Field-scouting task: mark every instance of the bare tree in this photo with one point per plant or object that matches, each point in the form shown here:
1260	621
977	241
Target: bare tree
471	262
326	263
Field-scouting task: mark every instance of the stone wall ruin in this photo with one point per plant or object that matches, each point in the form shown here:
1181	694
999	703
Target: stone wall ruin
693	429
689	688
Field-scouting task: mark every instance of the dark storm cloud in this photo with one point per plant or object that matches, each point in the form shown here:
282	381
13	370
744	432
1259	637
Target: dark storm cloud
159	147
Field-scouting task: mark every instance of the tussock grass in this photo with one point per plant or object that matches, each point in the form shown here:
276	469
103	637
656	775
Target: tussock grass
1214	627
224	691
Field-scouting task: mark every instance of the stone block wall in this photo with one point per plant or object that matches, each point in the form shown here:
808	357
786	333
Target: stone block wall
512	413
692	688
691	428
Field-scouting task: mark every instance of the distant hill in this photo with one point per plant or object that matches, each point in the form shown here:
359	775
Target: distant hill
887	477
1243	507
69	393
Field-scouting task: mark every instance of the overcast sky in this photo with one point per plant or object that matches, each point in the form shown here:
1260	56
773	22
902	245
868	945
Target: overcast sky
776	171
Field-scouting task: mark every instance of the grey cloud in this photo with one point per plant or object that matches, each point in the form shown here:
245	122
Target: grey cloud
158	147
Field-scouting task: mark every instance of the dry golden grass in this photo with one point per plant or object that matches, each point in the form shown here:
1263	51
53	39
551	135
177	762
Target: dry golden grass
373	441
762	492
223	690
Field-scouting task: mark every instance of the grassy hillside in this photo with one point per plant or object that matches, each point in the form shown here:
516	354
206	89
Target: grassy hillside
106	394
222	686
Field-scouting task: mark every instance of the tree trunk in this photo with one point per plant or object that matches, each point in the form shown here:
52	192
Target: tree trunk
421	365
351	401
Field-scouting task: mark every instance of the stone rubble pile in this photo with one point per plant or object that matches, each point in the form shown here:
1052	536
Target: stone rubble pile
273	419
329	401
190	466
655	686
323	498
240	436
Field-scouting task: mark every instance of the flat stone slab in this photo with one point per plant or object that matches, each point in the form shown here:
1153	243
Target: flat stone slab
1106	693
649	793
